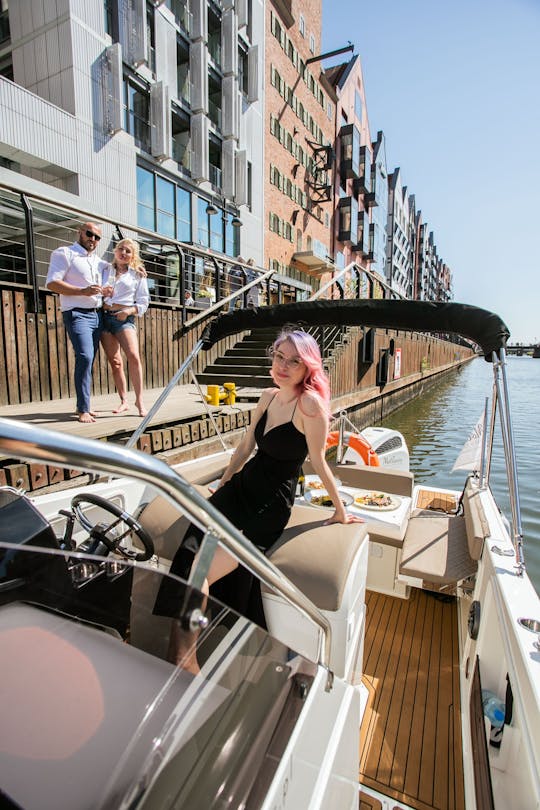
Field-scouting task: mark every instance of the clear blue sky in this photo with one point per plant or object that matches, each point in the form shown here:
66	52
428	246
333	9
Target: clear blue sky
455	86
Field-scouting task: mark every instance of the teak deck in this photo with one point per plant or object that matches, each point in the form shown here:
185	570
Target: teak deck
410	739
440	501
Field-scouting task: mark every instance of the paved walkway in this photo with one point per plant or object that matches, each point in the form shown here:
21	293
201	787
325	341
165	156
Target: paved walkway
183	403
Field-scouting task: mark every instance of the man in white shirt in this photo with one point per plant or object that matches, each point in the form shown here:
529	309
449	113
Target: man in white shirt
75	273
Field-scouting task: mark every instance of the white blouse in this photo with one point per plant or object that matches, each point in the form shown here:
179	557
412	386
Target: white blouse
130	289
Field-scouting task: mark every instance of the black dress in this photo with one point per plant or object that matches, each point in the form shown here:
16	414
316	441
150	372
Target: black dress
258	501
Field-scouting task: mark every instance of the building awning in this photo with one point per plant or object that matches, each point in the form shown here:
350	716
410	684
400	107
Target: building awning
309	262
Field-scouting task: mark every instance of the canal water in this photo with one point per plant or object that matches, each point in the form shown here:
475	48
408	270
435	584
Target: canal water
437	424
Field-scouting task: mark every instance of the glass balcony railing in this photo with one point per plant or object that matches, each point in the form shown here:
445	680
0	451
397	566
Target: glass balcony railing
214	114
215	175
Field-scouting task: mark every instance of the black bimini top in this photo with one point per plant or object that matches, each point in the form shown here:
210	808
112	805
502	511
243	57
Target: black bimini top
478	325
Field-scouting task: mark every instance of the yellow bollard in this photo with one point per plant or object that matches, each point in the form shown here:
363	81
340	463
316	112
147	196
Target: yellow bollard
212	394
230	395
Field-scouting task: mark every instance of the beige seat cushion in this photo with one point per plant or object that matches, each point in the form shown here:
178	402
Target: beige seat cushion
435	549
165	524
315	557
397	482
475	520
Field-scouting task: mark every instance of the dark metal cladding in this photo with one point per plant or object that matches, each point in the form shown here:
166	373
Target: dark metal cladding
482	327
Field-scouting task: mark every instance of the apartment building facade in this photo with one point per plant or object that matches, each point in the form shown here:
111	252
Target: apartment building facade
352	184
399	251
149	114
299	134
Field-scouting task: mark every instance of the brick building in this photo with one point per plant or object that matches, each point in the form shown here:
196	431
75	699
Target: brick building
299	122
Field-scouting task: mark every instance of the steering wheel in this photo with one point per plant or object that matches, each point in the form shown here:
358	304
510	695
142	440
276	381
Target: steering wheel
100	533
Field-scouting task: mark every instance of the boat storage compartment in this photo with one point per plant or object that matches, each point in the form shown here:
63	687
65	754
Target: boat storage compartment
328	563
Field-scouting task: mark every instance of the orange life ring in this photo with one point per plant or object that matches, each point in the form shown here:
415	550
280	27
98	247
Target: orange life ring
356	442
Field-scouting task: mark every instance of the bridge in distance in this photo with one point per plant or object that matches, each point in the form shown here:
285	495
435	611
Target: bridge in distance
522	348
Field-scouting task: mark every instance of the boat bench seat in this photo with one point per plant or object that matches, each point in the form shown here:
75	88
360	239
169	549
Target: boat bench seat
395	482
317	558
444	549
166	525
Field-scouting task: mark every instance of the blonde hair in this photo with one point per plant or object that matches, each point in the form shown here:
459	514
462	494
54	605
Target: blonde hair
135	262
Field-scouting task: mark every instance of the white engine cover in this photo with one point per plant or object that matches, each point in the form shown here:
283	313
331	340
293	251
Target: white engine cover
390	447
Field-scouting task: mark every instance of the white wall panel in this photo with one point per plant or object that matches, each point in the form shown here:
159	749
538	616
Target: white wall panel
230	120
228	167
229	43
242	12
198	63
199	145
160	120
38	14
65	39
200	20
241	177
52	43
165	34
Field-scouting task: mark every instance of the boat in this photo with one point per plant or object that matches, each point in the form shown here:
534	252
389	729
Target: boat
400	667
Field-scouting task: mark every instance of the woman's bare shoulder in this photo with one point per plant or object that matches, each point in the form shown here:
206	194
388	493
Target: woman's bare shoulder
311	404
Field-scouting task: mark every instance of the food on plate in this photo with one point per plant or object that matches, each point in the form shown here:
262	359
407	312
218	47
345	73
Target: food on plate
374	499
326	500
315	484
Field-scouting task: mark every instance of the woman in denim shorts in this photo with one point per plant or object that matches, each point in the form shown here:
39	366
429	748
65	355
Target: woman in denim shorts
130	298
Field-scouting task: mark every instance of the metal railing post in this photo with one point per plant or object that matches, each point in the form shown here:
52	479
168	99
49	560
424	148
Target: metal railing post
30	250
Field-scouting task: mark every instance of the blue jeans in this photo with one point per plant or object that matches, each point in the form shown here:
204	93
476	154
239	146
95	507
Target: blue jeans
83	328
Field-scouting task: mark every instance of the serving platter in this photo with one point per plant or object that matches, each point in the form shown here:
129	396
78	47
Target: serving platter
315	497
365	501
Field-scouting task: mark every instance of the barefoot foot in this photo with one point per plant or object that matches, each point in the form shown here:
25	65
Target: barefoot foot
122	407
142	410
86	417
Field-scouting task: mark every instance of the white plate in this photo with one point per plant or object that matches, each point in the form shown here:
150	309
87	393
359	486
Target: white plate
313	494
395	504
314	483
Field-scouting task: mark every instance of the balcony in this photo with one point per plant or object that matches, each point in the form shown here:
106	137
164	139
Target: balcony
214	175
348	220
349	163
362	236
214	114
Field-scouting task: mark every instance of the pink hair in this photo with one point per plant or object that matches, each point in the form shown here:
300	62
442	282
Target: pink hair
315	379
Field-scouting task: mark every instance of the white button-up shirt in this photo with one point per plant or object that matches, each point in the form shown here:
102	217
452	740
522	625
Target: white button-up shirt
130	290
76	266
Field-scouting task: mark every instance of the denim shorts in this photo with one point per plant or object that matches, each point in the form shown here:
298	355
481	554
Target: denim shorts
113	325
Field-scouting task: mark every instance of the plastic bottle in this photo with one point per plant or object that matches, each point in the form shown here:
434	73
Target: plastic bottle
494	708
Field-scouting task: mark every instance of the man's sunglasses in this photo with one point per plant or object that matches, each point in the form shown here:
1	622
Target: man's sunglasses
92	235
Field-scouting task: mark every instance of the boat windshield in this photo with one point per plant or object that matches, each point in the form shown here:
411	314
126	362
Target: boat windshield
93	712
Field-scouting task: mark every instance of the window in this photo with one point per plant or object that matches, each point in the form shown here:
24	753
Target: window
249	188
165	207
302	25
182	71
312	43
243	70
137	113
145	199
110	28
203	226
181	139
183	215
150	38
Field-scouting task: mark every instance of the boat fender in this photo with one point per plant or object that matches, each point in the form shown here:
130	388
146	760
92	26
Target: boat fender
473	622
356	442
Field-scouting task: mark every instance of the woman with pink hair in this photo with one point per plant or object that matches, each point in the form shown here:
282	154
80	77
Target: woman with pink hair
256	492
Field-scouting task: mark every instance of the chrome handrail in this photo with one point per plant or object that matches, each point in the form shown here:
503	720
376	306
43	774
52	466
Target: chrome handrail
89	455
502	394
